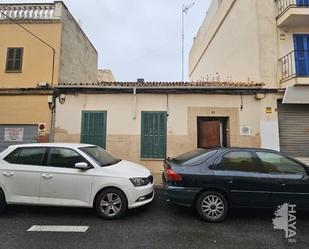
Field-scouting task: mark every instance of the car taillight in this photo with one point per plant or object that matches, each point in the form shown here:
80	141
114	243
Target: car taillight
173	176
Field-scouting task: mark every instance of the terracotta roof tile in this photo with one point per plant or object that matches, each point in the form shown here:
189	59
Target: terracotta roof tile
168	84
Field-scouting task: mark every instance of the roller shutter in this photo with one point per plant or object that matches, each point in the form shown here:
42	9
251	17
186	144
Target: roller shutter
294	129
17	134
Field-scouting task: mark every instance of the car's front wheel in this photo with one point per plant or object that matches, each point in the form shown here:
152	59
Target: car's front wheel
2	201
111	203
212	206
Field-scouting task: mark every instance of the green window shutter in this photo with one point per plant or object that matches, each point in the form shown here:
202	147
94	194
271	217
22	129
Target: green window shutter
94	128
153	135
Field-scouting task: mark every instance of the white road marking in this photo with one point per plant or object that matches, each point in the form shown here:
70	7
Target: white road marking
59	229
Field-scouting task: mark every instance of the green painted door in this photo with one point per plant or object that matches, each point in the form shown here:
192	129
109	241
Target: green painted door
153	135
94	128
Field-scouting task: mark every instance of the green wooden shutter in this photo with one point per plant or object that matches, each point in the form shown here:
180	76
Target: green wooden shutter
94	128
153	135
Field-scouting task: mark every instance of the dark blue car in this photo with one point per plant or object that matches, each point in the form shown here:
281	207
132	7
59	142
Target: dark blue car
216	180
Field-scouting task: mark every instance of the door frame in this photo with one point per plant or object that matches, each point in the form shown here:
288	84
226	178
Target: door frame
223	131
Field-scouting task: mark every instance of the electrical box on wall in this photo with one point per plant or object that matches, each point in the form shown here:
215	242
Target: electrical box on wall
245	130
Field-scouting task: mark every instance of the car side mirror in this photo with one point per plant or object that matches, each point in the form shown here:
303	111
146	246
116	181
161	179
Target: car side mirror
82	166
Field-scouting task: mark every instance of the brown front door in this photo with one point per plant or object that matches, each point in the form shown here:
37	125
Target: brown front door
209	134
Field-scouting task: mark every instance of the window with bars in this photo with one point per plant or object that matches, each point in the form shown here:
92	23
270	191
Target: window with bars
14	60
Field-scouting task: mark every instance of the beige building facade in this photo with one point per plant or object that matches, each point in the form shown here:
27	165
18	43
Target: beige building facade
262	41
106	75
240	110
40	46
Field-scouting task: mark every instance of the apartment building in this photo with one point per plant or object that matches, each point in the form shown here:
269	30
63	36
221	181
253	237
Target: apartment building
40	46
264	41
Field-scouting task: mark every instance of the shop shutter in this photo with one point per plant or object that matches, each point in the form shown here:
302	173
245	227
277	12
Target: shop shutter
17	134
294	129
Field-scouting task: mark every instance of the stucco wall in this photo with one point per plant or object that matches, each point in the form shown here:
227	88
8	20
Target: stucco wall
123	131
79	58
105	75
234	49
245	44
37	57
25	110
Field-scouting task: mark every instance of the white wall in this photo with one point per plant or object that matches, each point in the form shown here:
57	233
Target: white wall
234	51
120	110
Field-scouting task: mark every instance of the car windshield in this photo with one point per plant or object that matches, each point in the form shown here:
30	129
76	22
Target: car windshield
101	156
194	157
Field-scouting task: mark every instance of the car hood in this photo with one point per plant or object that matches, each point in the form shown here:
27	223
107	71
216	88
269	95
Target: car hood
125	169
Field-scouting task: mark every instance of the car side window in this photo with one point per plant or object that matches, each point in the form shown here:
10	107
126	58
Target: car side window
63	158
276	163
238	161
26	156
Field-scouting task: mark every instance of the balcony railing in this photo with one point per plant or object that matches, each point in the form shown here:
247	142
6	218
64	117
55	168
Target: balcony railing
27	11
284	5
295	64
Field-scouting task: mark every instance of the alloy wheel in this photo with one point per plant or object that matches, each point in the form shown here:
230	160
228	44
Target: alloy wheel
110	204
213	207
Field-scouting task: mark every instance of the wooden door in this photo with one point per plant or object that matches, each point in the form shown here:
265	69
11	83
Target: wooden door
209	134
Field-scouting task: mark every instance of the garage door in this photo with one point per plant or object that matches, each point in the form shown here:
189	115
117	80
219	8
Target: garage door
17	134
294	129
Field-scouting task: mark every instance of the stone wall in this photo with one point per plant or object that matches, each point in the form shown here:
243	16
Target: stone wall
79	58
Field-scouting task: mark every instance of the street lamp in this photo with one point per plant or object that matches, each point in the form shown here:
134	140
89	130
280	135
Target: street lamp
185	10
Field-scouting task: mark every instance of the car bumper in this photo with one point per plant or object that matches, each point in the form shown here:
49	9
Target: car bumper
140	196
181	195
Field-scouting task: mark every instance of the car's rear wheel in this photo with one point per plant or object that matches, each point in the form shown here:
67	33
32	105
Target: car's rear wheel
2	201
212	206
111	204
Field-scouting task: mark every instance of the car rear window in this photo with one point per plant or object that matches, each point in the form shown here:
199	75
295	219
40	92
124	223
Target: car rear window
26	156
194	157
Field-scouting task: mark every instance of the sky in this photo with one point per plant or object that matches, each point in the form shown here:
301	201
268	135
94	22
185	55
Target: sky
138	38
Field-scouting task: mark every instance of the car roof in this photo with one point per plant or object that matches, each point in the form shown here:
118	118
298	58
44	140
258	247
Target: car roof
245	148
62	145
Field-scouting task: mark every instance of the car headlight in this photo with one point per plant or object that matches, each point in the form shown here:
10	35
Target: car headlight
138	182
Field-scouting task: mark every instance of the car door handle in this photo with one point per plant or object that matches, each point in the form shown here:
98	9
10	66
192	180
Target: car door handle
47	176
8	174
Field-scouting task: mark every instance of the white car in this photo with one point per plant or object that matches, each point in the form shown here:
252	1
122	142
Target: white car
76	175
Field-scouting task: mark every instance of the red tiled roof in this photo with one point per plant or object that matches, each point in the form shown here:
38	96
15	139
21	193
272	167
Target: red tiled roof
167	84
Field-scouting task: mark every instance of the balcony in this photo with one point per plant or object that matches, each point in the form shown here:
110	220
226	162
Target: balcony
293	13
28	11
295	68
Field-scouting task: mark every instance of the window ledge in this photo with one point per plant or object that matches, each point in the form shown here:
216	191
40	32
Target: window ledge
7	71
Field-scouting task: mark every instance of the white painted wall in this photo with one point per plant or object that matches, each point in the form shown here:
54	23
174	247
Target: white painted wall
234	50
269	135
120	110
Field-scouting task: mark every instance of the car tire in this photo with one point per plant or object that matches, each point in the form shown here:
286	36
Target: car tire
212	206
2	201
111	204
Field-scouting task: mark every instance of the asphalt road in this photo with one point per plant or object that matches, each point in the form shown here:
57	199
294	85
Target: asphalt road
159	225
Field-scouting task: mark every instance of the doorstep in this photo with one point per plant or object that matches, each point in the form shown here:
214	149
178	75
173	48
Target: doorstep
157	176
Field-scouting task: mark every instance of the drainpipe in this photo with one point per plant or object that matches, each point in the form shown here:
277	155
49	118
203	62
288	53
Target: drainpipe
167	105
134	103
52	107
